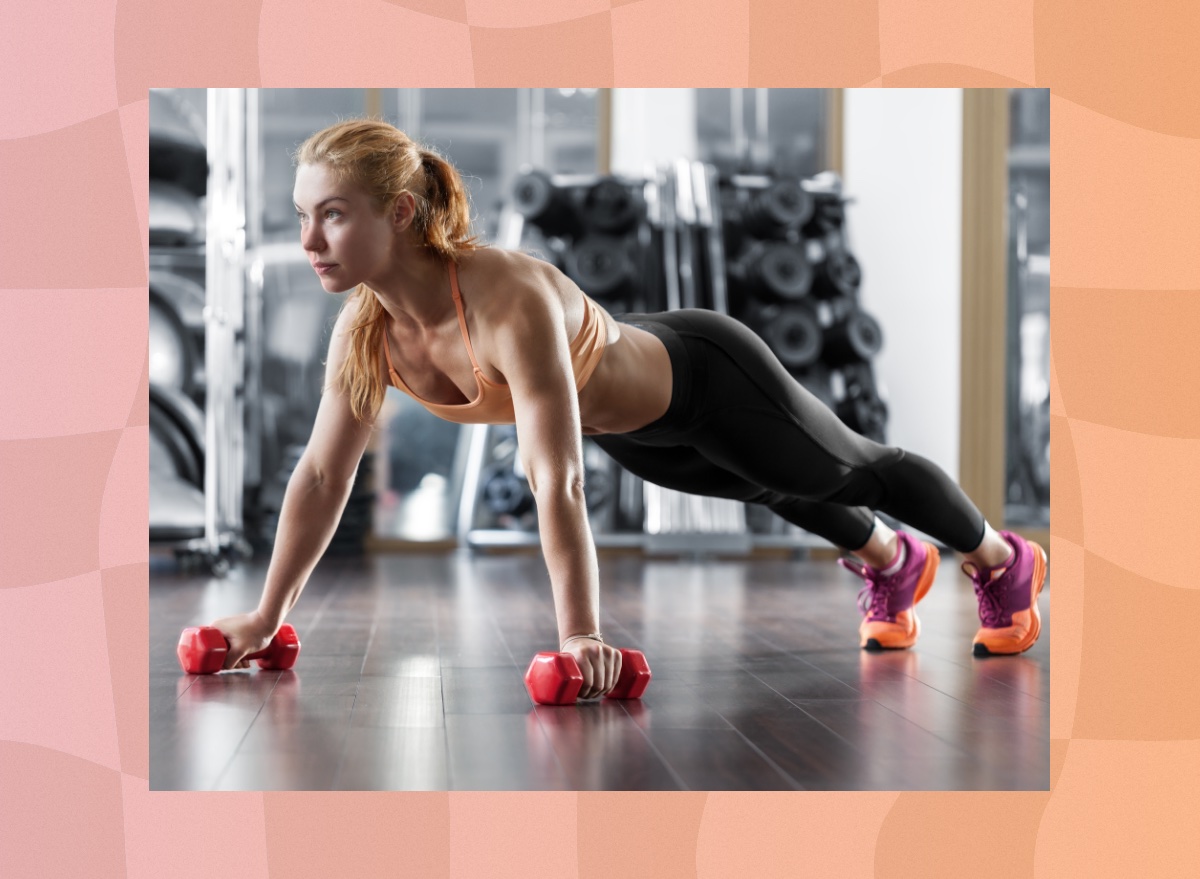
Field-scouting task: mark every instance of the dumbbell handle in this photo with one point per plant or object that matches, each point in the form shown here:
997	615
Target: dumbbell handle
555	678
266	651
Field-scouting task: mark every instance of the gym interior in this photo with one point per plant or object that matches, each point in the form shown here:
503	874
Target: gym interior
891	246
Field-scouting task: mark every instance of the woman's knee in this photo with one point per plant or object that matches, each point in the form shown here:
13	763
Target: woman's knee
862	487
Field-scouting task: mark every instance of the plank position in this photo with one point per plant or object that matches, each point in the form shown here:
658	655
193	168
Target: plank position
690	400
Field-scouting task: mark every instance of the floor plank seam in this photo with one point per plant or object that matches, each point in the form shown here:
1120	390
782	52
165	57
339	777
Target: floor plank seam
232	757
335	784
786	775
671	770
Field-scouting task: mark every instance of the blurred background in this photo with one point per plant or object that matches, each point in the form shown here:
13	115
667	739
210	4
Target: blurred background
892	247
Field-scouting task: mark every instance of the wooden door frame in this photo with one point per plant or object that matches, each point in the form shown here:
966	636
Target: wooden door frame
982	428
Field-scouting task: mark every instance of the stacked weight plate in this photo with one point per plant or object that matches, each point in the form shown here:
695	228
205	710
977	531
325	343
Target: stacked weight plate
794	280
594	228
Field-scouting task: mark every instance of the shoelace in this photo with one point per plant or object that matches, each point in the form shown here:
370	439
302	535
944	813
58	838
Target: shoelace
873	598
990	594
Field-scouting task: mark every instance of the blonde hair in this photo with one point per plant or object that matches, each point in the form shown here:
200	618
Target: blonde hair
385	162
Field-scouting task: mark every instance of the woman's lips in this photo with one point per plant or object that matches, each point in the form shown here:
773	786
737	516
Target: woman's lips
325	269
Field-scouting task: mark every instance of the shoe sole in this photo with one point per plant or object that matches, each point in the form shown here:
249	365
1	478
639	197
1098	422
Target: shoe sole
1035	628
932	559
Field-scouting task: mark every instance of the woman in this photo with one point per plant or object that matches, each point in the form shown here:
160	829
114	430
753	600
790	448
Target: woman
690	400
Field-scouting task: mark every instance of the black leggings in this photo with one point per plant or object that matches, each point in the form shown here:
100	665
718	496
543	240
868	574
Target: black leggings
740	427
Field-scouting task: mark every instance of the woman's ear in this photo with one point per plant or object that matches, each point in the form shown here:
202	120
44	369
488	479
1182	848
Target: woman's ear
404	211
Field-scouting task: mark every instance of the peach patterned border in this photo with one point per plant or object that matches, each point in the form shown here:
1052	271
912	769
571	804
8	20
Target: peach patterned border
73	437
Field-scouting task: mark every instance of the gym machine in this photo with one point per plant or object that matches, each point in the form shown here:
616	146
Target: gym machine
178	167
197	408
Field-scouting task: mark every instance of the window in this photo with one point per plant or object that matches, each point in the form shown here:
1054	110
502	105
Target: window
1027	371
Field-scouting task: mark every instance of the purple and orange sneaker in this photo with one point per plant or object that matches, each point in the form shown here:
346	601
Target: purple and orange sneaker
1008	605
888	603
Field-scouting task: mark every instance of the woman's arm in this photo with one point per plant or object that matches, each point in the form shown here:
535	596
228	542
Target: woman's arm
316	496
536	361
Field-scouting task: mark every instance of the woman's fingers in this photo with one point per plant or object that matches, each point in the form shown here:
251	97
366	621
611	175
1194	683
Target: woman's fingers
608	666
595	682
590	677
599	665
586	670
612	671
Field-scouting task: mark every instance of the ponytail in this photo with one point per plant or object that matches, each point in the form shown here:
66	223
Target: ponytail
447	213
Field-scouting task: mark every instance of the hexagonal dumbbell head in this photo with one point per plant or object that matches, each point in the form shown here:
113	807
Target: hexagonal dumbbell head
553	679
634	676
283	650
202	650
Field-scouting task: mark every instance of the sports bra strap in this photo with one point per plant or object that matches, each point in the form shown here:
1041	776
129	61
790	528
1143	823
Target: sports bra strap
462	318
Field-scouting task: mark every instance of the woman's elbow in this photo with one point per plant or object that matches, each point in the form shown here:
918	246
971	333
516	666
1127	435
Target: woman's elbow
558	486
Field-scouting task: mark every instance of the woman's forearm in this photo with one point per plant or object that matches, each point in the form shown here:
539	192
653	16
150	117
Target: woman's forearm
570	559
308	519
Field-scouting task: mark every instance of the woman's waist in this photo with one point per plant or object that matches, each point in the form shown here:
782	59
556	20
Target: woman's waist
631	386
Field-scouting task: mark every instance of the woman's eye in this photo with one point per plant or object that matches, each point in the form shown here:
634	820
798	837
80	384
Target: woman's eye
331	213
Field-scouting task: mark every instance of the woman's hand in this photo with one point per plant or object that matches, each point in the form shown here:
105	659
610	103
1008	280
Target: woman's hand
599	663
246	633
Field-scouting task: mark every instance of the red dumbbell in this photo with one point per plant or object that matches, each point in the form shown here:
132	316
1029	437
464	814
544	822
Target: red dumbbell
555	678
202	650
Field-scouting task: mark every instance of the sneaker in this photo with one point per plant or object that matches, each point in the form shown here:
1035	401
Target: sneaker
888	602
1008	604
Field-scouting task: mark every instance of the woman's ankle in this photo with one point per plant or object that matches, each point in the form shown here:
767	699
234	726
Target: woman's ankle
994	550
882	548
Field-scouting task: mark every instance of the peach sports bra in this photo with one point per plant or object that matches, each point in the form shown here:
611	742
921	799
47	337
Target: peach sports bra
493	404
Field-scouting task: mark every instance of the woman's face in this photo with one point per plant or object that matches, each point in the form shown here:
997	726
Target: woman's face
346	241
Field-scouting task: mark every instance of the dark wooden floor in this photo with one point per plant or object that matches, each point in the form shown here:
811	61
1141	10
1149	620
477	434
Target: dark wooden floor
410	677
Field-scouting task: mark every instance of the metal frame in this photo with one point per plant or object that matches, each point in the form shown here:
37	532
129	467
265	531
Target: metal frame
225	336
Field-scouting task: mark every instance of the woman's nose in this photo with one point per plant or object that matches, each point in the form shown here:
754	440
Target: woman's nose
310	238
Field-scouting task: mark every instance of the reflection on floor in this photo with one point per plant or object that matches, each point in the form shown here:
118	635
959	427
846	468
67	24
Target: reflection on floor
410	677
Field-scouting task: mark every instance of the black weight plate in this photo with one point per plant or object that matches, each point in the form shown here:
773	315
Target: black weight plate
794	334
533	192
599	265
785	271
609	206
783	204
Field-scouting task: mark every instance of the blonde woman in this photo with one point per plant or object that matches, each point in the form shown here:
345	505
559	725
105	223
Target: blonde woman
690	400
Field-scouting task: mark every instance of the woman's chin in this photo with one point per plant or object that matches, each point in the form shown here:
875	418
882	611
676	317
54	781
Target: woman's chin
336	286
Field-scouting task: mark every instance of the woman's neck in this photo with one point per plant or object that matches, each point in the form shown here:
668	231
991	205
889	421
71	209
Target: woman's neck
416	290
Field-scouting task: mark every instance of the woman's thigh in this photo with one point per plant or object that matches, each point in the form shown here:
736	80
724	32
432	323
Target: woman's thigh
678	467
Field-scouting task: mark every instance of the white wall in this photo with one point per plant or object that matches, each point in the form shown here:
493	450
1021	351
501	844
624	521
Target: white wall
652	126
903	165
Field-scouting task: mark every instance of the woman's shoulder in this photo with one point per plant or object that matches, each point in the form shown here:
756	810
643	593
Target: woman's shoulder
508	288
495	280
494	268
